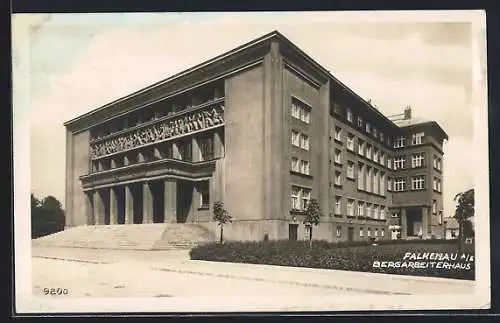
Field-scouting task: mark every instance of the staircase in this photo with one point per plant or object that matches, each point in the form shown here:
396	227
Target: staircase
183	236
158	236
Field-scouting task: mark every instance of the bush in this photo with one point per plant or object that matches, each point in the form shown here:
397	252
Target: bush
354	256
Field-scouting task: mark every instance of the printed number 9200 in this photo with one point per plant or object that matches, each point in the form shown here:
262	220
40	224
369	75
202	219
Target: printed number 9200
55	291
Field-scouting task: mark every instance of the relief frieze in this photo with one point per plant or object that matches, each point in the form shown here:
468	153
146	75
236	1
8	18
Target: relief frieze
182	125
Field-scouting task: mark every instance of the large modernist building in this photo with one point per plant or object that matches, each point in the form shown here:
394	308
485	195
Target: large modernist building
264	129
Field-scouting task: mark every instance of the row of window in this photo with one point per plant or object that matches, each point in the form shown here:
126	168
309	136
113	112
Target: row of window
363	209
417	160
300	140
361	233
416	139
399	184
300	166
366	126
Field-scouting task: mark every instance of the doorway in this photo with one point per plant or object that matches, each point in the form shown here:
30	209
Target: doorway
184	200
350	233
292	232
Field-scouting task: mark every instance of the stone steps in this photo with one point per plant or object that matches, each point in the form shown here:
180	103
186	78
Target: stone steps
158	236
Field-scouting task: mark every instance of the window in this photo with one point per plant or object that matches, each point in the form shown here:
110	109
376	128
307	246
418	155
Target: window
360	232
339	231
375	211
338	131
368	151
337	158
361	176
389	163
434	184
375	155
295	198
399	162
350	141
368	210
338	180
437	163
417	160
361	147
399	184
304	142
416	138
368	183
375	181
381	137
295	164
360	121
369	232
375	233
350	207
434	161
361	209
439	185
350	169
434	207
382	232
295	138
382	159
375	133
382	213
382	184
367	127
304	167
399	142
204	194
389	184
306	197
338	205
418	182
349	115
301	111
337	109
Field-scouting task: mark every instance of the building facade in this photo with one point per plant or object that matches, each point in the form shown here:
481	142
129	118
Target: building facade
264	129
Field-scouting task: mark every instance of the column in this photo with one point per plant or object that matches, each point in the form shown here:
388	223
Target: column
425	223
89	208
196	152
129	205
218	144
98	208
113	205
170	200
403	224
147	203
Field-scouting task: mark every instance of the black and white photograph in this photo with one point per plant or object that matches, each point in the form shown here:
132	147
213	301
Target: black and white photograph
250	161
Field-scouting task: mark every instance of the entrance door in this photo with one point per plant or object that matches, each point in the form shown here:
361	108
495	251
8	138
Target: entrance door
292	232
350	233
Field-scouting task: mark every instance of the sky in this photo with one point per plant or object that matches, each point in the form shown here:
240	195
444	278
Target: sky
79	62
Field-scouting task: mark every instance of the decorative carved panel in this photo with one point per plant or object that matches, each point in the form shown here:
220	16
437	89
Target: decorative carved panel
185	124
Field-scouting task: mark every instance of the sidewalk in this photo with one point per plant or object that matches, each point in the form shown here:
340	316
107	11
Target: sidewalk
325	278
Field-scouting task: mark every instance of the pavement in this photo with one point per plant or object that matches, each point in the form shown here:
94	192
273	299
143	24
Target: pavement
126	273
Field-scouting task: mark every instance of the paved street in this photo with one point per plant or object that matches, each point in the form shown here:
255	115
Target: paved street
123	273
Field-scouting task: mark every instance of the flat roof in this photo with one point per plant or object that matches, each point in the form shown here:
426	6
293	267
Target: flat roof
274	35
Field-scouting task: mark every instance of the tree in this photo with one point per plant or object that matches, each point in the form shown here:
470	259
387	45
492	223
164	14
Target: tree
313	214
47	216
221	215
463	212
